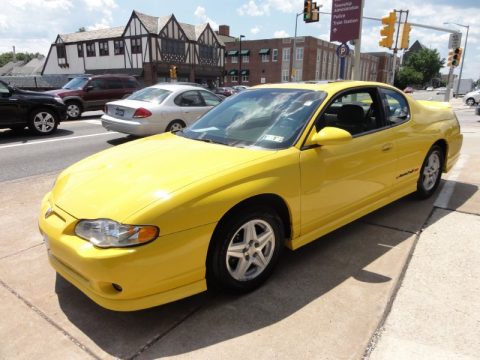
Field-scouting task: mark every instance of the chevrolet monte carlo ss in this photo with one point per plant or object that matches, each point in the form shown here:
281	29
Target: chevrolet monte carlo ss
160	218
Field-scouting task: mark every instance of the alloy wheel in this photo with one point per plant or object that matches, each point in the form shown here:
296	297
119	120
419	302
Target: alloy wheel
431	171
73	111
44	122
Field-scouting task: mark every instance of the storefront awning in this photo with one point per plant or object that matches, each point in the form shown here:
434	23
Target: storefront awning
232	53
245	52
233	72
264	51
245	72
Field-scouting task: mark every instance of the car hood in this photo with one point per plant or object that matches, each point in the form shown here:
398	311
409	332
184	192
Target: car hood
63	92
118	182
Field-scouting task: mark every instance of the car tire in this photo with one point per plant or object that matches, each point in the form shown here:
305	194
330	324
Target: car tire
430	173
244	250
175	125
470	101
74	109
43	121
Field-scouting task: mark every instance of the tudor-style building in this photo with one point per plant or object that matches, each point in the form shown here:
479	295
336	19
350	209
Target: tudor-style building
146	47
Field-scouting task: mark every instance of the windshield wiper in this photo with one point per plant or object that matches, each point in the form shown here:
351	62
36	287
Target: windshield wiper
210	141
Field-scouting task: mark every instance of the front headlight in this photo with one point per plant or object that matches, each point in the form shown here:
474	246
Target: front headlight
107	233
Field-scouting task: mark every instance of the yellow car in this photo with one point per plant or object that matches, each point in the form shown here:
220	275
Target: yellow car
160	218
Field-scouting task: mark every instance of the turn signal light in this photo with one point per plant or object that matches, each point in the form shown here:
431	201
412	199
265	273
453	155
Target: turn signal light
142	113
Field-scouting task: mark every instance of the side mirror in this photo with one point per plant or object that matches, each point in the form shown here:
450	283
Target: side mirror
329	136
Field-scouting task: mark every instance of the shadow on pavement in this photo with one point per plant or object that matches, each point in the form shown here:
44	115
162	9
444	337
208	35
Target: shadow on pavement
300	278
25	136
123	140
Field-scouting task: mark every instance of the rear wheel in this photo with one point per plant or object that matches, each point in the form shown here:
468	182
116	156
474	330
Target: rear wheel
43	121
245	249
74	109
431	172
175	126
470	101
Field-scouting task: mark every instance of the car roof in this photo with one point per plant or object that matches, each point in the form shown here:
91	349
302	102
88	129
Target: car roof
327	86
175	87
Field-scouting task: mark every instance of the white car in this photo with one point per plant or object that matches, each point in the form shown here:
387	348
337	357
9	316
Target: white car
158	108
472	98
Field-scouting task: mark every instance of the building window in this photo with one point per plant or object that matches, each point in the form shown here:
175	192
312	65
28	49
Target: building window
103	48
118	47
246	58
285	74
91	49
234	59
234	78
174	47
207	52
299	55
244	78
61	52
286	54
275	55
265	55
80	50
136	44
265	58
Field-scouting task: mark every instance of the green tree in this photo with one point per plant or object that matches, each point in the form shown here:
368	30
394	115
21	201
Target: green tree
427	62
408	76
8	56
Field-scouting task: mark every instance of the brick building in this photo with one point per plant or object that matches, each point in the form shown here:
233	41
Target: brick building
385	66
252	62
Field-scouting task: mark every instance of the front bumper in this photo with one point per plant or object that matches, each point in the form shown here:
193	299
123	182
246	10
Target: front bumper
169	268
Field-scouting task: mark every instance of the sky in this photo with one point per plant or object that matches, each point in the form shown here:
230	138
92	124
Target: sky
32	25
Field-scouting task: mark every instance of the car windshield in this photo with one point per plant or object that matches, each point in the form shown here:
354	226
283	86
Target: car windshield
150	94
75	83
264	118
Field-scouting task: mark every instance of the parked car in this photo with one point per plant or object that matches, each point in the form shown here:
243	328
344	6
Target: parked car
92	92
161	218
441	90
408	90
225	91
472	98
40	112
158	108
429	88
239	88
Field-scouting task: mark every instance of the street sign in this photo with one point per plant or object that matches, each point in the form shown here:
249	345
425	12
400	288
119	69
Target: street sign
343	50
346	20
455	40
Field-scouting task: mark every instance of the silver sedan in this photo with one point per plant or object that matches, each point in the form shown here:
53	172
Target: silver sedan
158	108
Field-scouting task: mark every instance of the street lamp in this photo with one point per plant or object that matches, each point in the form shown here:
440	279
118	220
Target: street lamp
464	52
240	61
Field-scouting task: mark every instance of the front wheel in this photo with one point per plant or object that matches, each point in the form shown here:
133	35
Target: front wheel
175	125
43	122
245	250
430	173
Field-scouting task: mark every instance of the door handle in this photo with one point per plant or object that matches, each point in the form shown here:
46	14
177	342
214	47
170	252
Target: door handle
387	147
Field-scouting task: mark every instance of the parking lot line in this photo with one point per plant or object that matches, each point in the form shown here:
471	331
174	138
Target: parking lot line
54	140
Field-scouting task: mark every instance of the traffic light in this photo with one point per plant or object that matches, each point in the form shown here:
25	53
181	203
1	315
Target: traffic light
307	10
404	42
457	56
388	30
315	13
173	72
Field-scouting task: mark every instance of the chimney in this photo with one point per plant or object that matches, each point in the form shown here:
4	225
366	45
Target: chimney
224	30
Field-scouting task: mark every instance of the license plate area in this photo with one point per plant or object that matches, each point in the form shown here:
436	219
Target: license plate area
119	112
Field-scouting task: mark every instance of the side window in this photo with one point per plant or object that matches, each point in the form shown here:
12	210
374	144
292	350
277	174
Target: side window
4	89
210	99
98	84
396	107
114	84
356	112
189	98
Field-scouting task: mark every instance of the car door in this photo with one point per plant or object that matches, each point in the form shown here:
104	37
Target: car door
339	181
191	105
115	88
9	106
96	94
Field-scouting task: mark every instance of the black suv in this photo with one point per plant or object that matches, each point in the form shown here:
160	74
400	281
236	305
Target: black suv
39	111
92	92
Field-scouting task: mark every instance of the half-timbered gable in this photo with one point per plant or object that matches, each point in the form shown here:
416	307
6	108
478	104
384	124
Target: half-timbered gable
147	46
208	50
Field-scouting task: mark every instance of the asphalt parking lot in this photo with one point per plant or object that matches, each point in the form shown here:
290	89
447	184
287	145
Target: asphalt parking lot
399	283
